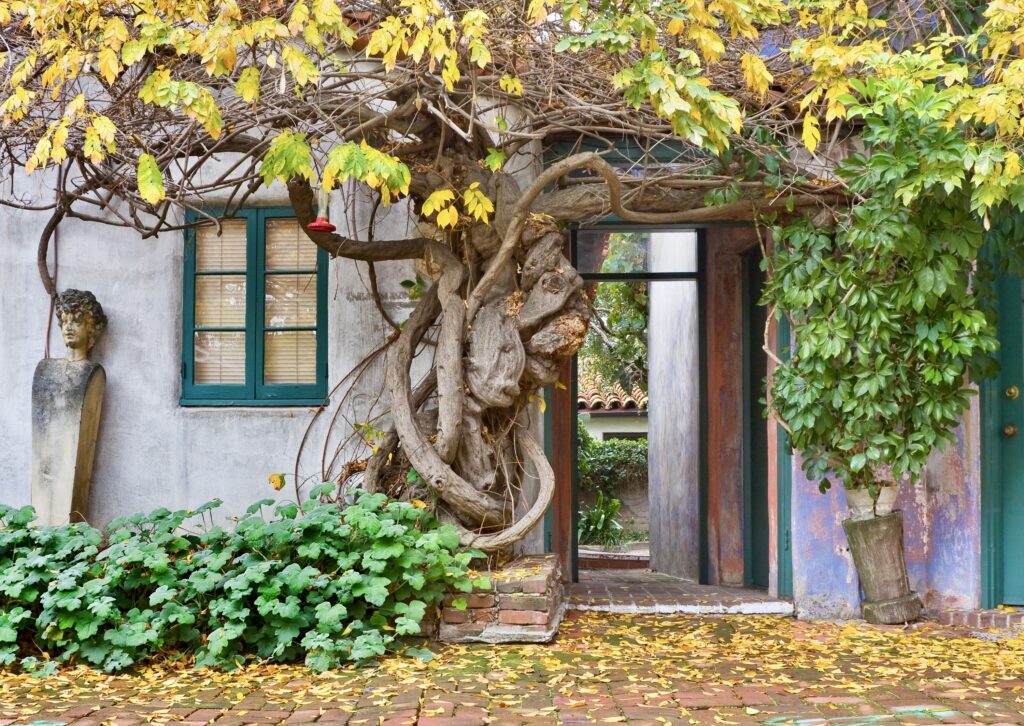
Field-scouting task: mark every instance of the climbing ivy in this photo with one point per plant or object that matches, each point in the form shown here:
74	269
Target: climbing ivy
887	304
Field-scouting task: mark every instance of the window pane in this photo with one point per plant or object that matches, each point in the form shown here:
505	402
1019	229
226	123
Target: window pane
220	301
289	356
290	300
288	247
220	358
611	252
224	252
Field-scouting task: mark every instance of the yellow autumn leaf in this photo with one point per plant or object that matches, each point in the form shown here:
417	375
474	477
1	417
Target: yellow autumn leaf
448	217
248	86
755	73
811	133
510	84
109	64
276	481
437	200
478	205
150	179
537	11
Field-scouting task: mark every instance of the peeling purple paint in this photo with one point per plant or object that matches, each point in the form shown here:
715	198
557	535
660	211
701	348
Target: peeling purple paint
942	535
824	580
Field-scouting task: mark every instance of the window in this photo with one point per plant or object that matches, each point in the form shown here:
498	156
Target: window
254	313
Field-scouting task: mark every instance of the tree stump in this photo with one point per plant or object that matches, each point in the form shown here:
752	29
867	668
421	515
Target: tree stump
877	548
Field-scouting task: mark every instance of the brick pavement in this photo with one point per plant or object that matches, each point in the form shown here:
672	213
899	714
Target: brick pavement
643	670
643	591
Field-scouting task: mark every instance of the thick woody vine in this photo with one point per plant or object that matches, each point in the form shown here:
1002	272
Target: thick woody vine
659	113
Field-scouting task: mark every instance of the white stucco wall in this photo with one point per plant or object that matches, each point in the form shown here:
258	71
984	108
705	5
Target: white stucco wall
605	426
151	451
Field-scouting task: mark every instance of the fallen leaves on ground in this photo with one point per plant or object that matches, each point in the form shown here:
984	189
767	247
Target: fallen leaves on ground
600	662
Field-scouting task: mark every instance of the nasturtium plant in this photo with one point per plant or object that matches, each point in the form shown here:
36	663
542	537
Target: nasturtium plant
321	583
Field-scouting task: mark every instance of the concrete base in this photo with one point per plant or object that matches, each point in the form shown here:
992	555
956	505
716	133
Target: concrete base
498	633
67	398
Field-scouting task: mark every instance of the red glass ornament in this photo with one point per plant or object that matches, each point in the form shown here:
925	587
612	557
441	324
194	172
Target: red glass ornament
320	224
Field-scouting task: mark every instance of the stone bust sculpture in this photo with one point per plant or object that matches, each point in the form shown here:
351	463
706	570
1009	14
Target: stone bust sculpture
67	398
81	322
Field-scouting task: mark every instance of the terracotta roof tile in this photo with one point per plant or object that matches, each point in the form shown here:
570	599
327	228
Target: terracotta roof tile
596	395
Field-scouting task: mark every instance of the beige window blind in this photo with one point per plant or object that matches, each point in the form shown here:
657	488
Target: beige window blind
220	303
290	305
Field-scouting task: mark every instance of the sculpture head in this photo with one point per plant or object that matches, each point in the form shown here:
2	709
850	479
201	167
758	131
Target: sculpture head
81	321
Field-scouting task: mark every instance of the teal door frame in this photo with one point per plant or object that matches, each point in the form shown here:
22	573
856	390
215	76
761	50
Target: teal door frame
784	487
756	560
993	418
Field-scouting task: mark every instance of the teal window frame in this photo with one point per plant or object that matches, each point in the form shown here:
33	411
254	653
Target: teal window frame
254	392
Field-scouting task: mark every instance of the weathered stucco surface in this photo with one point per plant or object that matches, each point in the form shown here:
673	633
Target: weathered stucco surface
151	451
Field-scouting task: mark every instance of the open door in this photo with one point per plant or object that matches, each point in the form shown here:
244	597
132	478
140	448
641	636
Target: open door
674	438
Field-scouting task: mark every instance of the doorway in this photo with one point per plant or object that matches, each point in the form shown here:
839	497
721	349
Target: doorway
657	275
637	438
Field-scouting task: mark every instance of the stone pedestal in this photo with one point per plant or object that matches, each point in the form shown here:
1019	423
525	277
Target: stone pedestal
523	604
67	396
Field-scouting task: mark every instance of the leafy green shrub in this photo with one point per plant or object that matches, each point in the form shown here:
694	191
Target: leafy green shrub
605	466
319	583
597	525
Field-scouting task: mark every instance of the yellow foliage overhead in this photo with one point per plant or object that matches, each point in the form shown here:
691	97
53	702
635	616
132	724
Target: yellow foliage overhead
113	82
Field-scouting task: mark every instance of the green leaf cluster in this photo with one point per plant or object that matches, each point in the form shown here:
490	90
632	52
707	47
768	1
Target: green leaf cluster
598	525
319	583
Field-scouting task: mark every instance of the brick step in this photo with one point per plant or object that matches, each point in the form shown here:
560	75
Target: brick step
523	604
981	618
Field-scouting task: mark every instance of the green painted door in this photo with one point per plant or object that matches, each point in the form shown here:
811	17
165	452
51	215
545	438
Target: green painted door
1008	539
755	428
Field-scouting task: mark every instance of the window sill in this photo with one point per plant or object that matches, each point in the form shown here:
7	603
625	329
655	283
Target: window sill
215	404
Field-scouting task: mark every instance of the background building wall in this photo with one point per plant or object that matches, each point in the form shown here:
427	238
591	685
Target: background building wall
606	426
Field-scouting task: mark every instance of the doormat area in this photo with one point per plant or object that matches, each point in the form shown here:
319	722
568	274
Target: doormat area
643	591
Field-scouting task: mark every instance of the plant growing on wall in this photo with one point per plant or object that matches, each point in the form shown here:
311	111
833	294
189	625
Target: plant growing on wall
887	304
435	104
